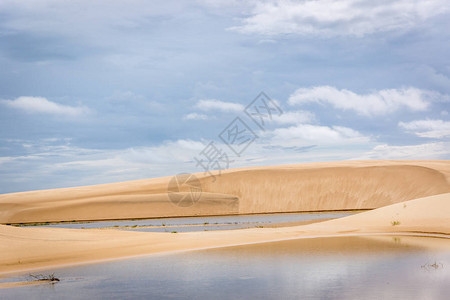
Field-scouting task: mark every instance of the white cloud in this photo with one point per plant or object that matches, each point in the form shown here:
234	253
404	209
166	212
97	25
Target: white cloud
376	103
322	135
428	128
44	106
49	166
294	117
195	116
338	18
423	151
213	104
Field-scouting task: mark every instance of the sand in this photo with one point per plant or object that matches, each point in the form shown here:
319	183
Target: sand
26	248
288	188
387	186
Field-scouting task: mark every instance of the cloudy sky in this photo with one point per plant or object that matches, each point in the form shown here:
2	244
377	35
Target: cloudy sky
104	91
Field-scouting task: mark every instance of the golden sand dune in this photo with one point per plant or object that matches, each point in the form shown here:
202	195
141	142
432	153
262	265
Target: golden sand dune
333	186
424	215
24	248
117	207
289	188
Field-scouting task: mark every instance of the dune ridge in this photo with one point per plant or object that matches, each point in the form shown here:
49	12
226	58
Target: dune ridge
328	188
288	188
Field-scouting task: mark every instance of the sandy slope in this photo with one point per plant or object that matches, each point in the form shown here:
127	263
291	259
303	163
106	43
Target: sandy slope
23	248
299	187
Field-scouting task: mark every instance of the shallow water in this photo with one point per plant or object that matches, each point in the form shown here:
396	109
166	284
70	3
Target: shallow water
205	223
375	267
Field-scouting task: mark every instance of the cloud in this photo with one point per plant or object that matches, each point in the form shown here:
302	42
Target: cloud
438	150
212	104
195	116
428	128
49	165
294	117
320	135
43	106
376	103
338	18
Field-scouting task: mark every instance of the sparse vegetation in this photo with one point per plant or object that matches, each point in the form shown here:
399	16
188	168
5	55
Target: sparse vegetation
206	223
134	226
41	277
174	232
435	266
395	223
31	224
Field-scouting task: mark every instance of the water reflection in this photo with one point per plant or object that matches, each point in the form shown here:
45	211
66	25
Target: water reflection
373	267
205	223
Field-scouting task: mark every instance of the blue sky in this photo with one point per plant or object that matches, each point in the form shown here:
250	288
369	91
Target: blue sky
109	91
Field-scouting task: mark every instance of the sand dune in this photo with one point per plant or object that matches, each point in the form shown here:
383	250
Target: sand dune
385	185
299	187
424	215
118	207
26	248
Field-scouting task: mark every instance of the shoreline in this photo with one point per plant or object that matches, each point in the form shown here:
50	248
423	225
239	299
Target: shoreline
26	224
172	252
28	248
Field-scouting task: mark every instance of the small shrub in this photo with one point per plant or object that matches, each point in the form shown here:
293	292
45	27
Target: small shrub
435	266
40	277
174	232
395	223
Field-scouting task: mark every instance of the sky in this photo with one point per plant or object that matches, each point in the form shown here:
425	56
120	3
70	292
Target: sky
94	92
